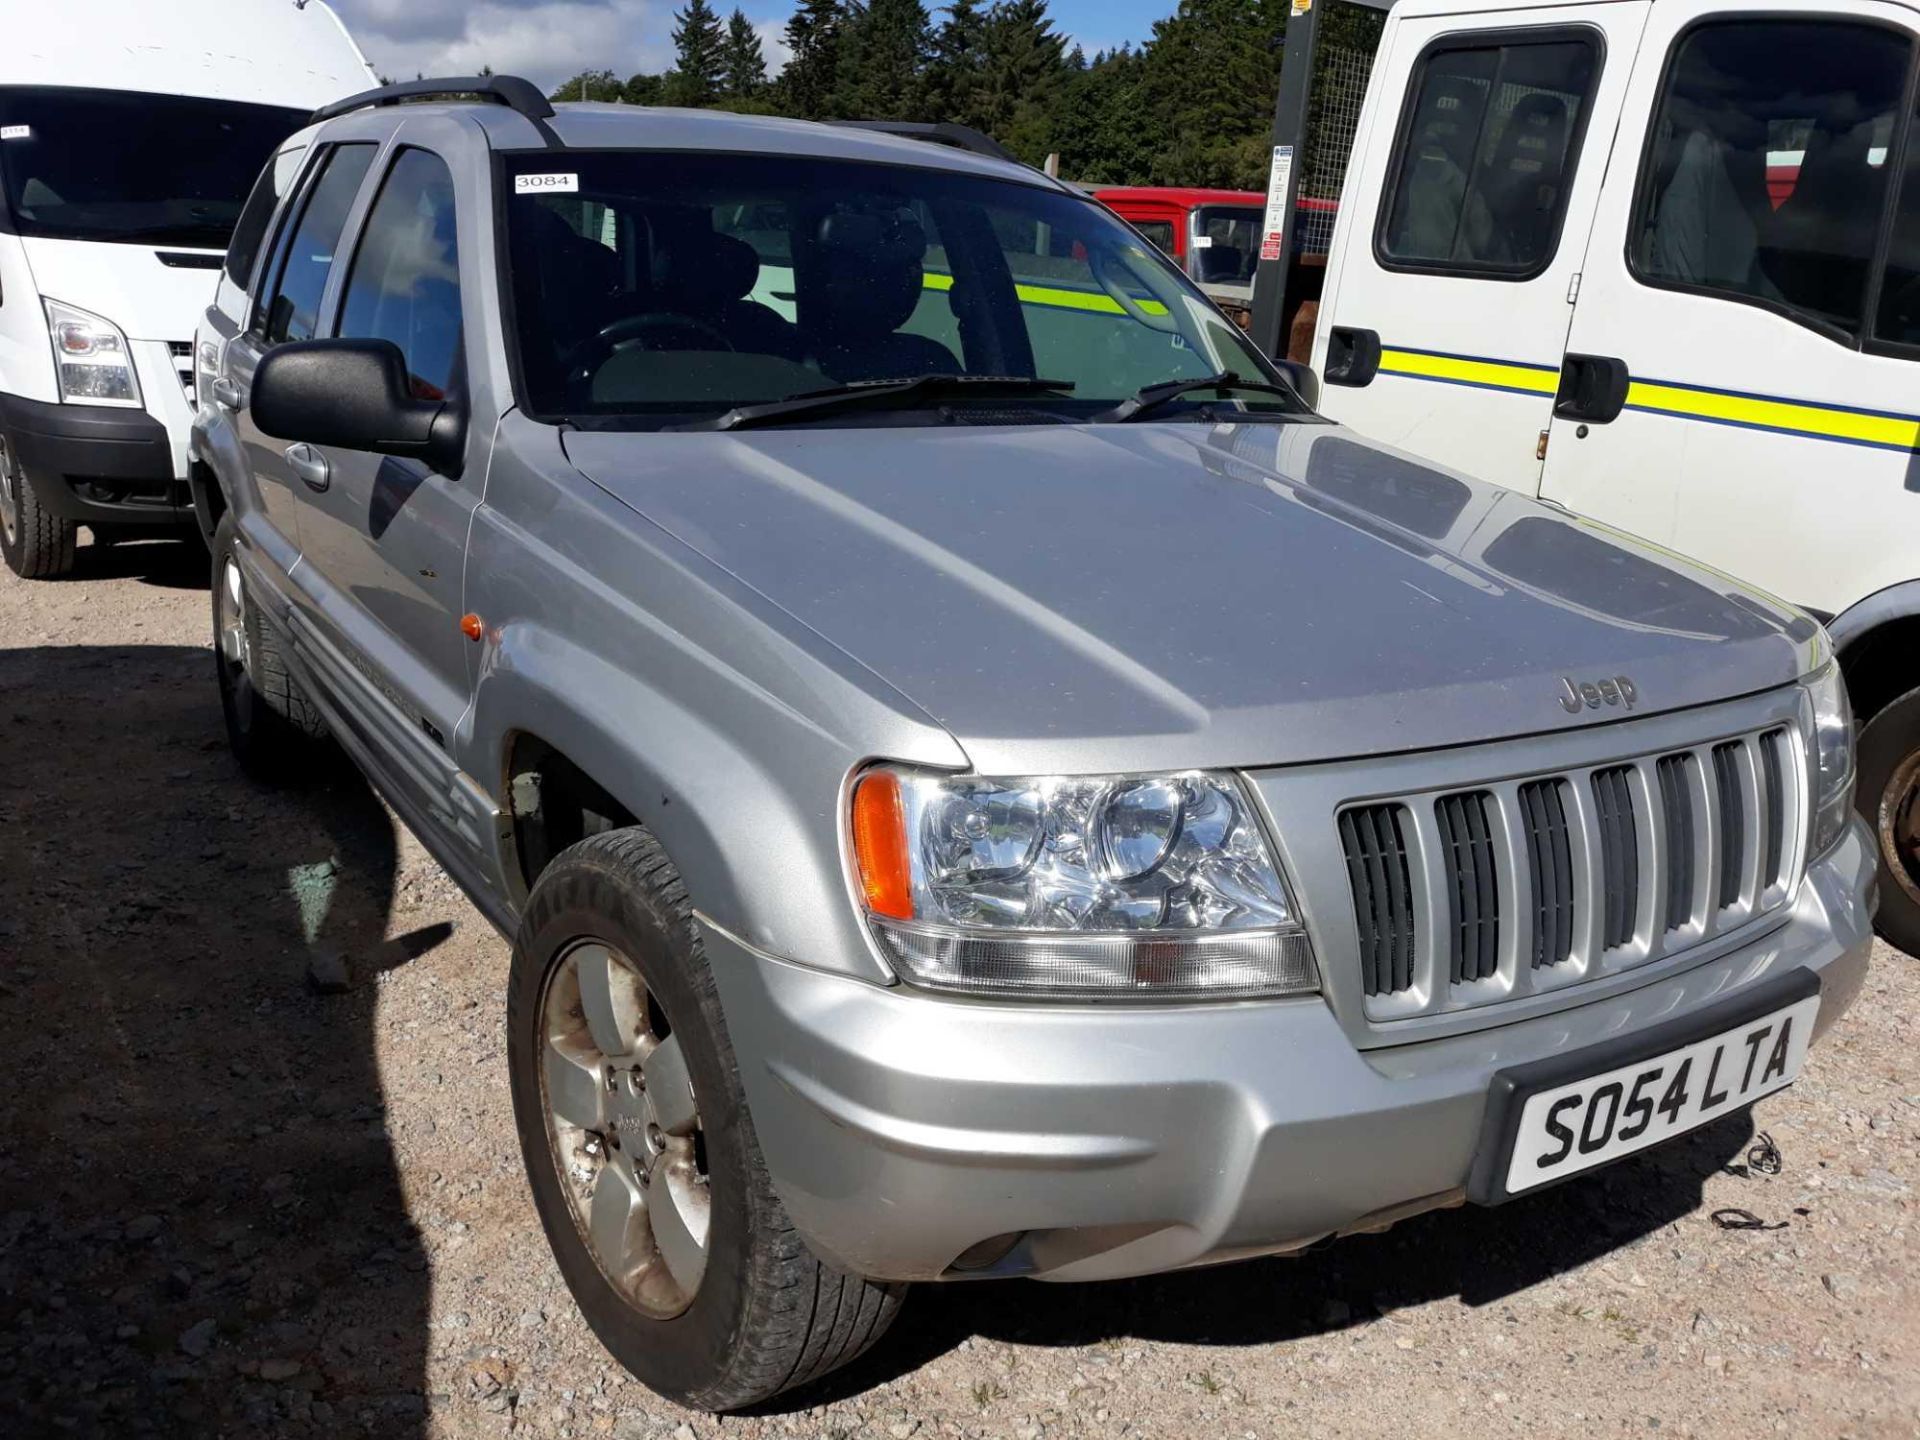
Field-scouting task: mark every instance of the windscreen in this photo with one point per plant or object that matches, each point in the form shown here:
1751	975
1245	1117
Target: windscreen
130	167
662	287
1226	245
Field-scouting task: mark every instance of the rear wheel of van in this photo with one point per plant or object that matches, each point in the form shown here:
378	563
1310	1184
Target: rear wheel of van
1889	797
271	724
36	543
641	1155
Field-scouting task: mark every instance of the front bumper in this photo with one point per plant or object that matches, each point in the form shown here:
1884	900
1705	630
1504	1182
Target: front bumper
903	1131
97	464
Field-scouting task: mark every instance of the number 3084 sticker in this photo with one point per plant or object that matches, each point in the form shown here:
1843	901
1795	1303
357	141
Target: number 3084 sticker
544	184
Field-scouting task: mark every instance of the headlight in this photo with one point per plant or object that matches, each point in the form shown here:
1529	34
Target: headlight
91	357
1126	886
1831	760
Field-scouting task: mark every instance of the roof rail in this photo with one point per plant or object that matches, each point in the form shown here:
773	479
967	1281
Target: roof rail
521	96
959	137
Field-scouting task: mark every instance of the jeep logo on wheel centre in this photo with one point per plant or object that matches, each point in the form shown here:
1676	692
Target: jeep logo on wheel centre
1592	694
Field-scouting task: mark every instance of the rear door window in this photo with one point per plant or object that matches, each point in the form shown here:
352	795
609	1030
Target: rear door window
290	310
1767	174
1487	149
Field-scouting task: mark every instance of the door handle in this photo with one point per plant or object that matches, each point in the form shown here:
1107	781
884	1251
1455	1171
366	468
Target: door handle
226	394
1592	388
310	465
1353	356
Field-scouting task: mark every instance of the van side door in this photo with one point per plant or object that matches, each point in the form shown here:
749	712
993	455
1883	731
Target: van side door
1755	268
1465	213
383	539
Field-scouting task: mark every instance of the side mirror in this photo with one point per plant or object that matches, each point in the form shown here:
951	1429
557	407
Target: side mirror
355	395
1301	378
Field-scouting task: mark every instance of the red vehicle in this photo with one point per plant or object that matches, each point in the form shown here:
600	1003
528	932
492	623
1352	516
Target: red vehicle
1214	235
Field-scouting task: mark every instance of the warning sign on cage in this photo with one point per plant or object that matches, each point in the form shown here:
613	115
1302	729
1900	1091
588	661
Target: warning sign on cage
1273	239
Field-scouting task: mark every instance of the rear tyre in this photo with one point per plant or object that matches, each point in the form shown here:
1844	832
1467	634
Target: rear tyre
641	1154
36	543
271	724
1889	798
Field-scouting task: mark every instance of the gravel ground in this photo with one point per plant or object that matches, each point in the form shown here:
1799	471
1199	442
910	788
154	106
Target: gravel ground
233	1205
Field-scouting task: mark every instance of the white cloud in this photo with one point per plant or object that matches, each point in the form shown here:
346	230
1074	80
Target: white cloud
546	41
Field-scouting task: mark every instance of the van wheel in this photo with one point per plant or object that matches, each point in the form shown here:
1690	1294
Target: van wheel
1889	797
641	1155
36	543
271	724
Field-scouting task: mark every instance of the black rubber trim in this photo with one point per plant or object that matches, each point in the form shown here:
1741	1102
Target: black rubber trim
189	260
1510	1089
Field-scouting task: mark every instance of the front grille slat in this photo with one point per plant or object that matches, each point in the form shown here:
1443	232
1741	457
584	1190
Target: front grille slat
1374	840
1733	823
1619	853
1629	863
1773	777
1467	834
1676	798
1550	866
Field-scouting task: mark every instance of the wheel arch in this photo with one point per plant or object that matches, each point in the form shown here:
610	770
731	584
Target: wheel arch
1877	640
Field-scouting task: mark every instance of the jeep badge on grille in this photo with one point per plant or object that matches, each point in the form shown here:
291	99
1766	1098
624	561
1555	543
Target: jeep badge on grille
1592	694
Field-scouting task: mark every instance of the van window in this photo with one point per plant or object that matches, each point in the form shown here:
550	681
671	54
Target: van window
306	257
405	282
1897	321
1487	153
1231	245
274	182
1766	174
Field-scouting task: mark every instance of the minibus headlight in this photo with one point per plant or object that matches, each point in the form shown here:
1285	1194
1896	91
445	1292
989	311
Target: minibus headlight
91	358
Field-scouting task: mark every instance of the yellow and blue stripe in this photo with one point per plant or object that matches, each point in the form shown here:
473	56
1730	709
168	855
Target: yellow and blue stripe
1742	409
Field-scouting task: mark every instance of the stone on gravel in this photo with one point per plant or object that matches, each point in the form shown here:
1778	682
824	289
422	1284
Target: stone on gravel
278	1370
143	1227
327	972
197	1338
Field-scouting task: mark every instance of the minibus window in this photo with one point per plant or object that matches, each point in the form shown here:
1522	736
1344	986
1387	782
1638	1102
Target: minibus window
1488	146
1897	321
133	168
1767	170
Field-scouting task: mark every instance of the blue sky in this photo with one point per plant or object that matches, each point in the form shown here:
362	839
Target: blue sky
548	40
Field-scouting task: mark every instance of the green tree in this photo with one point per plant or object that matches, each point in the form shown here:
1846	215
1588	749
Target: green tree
883	62
1101	125
958	53
1211	72
645	90
698	45
809	84
1021	80
743	66
601	85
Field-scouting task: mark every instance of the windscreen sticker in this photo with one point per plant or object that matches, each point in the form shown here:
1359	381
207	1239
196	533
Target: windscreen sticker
544	184
1203	242
16	132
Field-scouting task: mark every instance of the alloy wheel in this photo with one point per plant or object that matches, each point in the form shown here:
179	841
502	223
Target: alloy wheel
623	1128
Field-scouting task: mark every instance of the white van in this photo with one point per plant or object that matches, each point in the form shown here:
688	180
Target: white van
130	134
1660	263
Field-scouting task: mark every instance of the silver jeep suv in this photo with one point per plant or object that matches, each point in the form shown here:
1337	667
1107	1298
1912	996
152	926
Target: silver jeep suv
980	779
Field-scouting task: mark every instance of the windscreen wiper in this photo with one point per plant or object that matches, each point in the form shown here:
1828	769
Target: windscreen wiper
879	395
1151	397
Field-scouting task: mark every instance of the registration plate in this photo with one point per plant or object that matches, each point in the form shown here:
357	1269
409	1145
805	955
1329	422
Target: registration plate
1561	1116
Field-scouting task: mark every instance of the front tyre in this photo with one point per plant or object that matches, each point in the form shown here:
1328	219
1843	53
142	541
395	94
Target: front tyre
1889	798
640	1152
35	543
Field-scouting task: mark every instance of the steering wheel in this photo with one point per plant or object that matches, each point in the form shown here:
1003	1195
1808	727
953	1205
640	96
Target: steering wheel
584	359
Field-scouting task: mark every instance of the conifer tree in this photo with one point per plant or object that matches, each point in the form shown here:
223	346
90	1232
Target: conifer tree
743	67
808	86
884	63
955	65
698	46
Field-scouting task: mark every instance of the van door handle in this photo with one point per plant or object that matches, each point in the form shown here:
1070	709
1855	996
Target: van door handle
226	394
310	465
1353	356
1592	388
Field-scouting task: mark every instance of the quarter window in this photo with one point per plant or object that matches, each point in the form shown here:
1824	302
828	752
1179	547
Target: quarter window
294	307
1489	142
405	282
274	182
1160	232
1767	173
